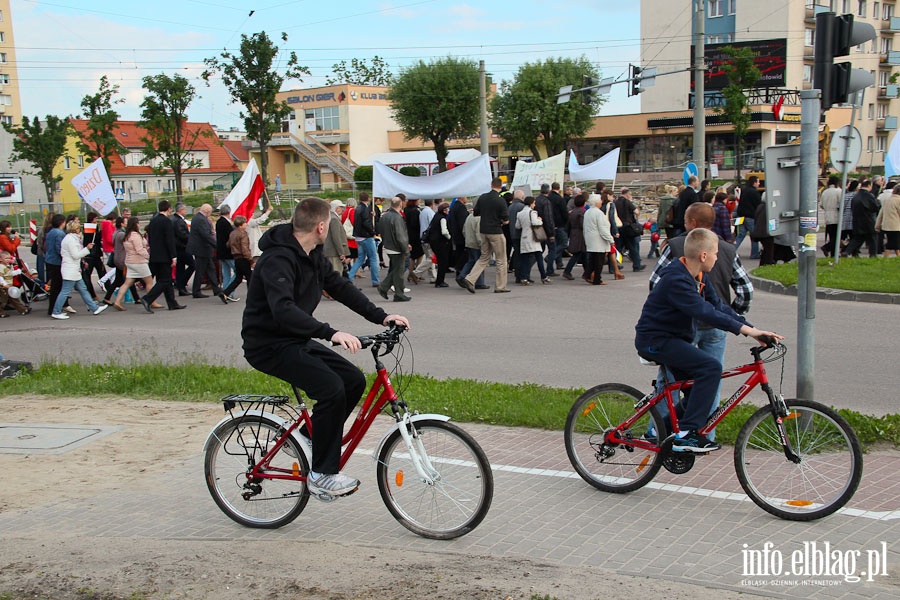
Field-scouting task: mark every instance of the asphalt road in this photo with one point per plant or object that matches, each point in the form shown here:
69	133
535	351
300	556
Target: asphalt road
568	334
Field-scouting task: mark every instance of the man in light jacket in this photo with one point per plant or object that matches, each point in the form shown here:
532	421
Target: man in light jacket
395	239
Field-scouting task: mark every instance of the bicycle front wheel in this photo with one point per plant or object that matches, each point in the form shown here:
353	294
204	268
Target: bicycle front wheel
616	468
823	481
236	447
459	494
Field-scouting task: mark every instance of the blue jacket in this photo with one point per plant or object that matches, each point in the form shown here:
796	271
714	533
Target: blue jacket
674	305
53	246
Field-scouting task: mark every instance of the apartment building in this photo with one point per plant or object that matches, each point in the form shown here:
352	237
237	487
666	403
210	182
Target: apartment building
10	104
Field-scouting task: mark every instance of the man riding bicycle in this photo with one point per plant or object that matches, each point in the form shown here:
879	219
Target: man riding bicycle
278	331
666	328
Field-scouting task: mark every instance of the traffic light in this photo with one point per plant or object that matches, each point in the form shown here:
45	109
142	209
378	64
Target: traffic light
634	77
836	35
587	95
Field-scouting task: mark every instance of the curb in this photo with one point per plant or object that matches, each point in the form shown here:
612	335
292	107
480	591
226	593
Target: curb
775	287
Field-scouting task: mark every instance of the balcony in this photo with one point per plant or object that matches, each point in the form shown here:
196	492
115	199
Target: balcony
891	58
889	91
892	25
886	124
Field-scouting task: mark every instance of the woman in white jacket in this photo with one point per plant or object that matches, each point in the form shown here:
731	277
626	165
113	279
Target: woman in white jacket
72	252
531	250
597	239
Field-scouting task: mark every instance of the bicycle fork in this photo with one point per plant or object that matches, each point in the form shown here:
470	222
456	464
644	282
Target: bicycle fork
780	413
417	453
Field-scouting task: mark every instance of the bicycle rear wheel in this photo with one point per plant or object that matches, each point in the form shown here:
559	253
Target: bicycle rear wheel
236	447
614	468
460	496
830	461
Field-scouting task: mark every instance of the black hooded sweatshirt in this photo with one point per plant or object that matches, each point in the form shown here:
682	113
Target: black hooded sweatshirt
286	288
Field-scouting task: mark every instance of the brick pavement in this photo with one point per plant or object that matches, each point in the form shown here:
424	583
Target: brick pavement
541	511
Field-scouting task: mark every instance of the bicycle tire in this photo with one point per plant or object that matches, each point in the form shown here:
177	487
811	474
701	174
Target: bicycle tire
825	479
618	469
236	446
459	498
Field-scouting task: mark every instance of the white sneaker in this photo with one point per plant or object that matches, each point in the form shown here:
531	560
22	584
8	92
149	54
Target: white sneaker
69	310
336	484
60	316
100	308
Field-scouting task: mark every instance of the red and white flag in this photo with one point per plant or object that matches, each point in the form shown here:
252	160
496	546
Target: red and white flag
778	108
246	193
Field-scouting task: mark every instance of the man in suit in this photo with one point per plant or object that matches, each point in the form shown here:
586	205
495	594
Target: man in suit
184	267
161	235
747	205
459	212
223	252
202	244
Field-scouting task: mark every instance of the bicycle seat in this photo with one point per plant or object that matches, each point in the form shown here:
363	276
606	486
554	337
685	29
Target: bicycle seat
647	363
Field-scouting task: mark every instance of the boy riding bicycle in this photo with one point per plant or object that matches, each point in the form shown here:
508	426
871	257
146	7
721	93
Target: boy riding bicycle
278	330
665	331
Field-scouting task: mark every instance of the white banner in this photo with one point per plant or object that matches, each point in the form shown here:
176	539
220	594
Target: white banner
602	168
94	188
470	179
547	171
892	158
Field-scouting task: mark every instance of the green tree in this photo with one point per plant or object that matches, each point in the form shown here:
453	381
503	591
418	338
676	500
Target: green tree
362	177
436	102
41	144
742	75
99	139
254	79
360	72
525	110
169	142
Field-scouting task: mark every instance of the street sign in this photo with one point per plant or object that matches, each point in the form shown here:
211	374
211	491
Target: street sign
846	141
690	170
565	94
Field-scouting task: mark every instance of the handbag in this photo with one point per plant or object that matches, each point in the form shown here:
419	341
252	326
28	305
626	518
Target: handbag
539	234
635	229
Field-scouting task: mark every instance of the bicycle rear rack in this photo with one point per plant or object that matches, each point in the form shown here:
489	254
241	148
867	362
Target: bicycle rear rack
245	403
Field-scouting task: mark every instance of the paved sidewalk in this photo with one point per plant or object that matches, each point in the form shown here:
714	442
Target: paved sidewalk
691	528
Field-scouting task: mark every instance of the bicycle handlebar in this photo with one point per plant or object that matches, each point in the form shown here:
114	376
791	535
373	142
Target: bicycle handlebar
391	335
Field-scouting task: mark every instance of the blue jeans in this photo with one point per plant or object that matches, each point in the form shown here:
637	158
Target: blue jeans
67	287
633	243
744	230
474	254
560	244
227	271
368	249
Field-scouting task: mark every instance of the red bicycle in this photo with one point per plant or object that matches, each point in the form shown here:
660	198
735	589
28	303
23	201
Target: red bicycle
434	478
796	459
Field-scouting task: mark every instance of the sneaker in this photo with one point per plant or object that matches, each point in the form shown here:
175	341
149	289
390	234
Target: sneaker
694	442
69	310
336	484
100	308
60	316
232	298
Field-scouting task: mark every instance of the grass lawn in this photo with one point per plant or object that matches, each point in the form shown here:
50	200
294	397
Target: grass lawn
522	405
858	274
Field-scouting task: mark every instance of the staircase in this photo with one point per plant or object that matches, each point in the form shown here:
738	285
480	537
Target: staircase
318	154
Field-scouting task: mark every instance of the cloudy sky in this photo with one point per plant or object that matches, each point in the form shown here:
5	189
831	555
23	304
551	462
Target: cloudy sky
64	46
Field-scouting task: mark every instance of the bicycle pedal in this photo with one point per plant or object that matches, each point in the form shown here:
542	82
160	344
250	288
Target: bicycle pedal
324	497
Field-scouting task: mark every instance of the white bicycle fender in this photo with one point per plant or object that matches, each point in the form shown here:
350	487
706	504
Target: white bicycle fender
413	419
304	443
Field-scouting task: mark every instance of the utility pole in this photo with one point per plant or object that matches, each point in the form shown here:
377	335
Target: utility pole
810	111
699	89
482	91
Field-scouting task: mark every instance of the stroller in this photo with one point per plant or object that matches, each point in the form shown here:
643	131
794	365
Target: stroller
33	289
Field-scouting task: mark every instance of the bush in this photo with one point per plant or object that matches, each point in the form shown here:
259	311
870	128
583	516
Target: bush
410	171
362	177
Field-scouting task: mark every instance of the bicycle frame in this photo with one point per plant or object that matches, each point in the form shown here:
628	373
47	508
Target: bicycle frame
758	377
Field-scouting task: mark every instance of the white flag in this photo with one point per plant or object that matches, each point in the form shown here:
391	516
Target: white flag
547	171
94	188
602	168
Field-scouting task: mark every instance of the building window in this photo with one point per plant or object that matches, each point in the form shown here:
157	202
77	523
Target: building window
876	7
732	7
807	73
2	36
327	118
882	111
142	186
871	111
4	79
862	8
2	58
845	6
882	143
887	44
6	120
192	185
724	38
810	38
884	78
887	11
870	144
80	161
67	162
716	8
5	100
